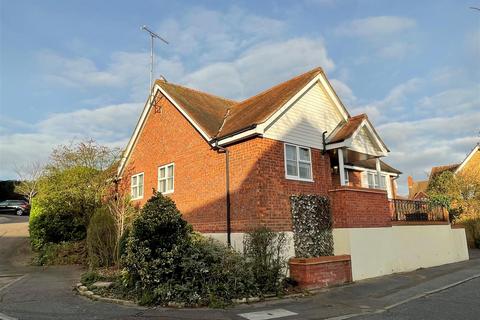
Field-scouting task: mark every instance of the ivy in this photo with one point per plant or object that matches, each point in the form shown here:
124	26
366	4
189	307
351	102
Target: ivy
312	226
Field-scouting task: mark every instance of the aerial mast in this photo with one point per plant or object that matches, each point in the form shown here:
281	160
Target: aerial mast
153	35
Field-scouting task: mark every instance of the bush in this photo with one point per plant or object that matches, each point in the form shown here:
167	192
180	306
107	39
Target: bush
264	251
472	229
101	239
51	227
61	253
165	261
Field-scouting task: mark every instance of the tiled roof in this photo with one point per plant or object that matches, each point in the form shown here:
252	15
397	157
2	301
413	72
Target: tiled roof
207	110
440	169
210	112
348	128
417	187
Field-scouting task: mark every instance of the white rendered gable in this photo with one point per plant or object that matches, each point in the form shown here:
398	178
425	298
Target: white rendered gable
305	120
363	142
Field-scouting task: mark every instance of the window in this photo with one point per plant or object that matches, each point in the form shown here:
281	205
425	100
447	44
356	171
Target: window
347	179
136	184
373	181
165	178
298	163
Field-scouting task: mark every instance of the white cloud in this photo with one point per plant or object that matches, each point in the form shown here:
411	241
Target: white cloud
344	91
128	70
374	27
451	101
261	67
394	102
418	145
213	35
109	125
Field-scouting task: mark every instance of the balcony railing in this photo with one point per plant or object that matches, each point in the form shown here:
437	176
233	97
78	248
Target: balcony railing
416	210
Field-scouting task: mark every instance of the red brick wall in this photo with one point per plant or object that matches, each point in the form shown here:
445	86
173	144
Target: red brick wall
199	189
321	272
275	190
359	208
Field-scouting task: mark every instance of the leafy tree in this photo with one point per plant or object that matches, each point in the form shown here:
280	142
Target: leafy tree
459	192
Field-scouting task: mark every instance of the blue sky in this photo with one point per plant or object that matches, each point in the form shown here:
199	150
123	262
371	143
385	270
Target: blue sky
76	69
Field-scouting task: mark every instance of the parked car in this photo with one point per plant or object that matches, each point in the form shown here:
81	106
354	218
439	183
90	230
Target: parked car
19	207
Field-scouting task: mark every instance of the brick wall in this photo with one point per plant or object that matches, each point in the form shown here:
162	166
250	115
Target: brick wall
321	272
275	190
360	208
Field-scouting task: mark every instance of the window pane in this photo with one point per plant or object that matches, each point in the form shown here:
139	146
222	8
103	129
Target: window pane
140	180
304	154
140	190
170	184
292	168
347	180
134	180
134	192
304	170
170	171
161	173
162	186
291	152
370	180
383	182
376	180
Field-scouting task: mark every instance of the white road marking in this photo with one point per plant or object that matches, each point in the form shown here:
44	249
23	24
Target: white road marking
5	317
12	282
267	314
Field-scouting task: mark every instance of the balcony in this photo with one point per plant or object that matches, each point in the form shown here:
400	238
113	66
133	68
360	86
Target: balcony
417	211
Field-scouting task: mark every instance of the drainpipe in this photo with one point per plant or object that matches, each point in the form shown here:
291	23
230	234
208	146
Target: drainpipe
324	142
220	149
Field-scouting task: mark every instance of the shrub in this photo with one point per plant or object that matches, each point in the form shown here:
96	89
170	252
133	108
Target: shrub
165	261
312	226
101	239
472	229
62	253
263	249
50	227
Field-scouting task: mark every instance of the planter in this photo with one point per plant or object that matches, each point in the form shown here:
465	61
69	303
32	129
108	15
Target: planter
320	272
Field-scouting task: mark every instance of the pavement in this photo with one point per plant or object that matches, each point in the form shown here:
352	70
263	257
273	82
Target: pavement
445	292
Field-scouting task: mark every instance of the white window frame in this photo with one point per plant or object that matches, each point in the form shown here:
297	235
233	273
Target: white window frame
375	184
297	149
138	196
347	178
172	164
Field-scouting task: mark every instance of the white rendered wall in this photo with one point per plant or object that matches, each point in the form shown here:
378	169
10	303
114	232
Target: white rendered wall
237	241
380	251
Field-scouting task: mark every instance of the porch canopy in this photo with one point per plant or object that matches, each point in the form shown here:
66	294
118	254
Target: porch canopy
354	141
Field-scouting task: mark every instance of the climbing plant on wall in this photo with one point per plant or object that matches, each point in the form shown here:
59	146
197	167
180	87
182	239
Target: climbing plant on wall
312	226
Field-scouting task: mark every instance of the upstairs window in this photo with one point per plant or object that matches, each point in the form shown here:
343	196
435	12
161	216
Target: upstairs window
298	163
136	184
165	178
347	178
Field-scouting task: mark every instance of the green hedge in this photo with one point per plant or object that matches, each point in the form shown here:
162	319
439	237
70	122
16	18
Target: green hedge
53	227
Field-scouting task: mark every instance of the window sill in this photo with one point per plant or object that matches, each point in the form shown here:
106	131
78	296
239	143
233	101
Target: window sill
138	198
299	179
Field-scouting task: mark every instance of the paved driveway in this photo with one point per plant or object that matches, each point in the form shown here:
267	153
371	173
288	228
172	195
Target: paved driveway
28	292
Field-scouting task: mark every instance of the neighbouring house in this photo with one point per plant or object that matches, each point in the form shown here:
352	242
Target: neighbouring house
233	165
417	190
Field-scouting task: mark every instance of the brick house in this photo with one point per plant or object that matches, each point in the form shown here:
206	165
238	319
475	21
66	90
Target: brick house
233	165
417	190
